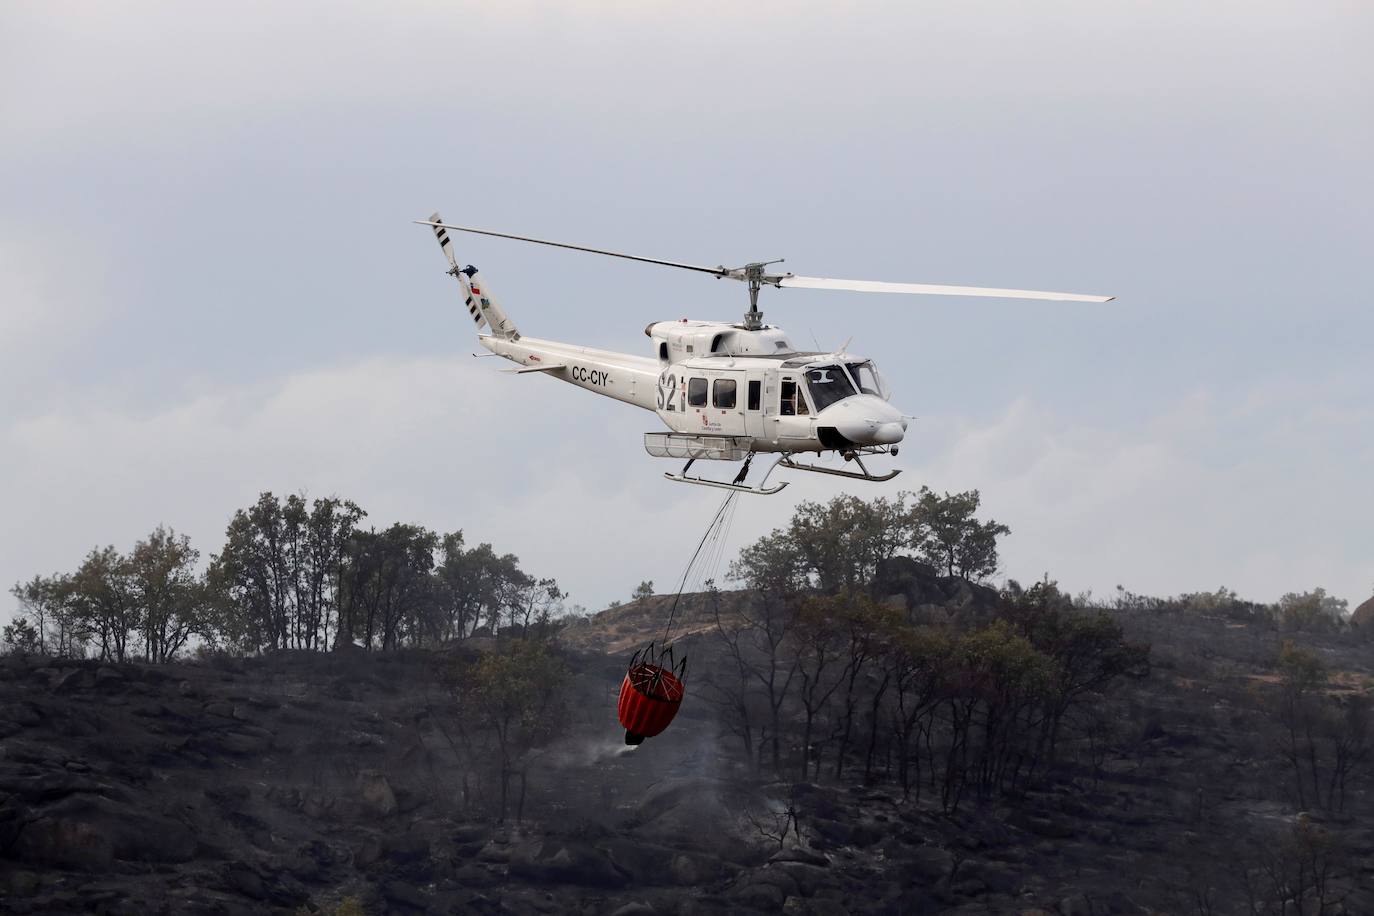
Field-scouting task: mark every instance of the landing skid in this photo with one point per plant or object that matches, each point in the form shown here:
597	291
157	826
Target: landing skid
738	484
876	478
737	487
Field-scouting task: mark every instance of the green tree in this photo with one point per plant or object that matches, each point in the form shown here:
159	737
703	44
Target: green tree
388	587
995	689
947	534
865	630
643	591
254	577
169	594
833	547
104	598
46	605
277	581
819	653
316	538
21	638
472	587
918	662
1314	612
1089	650
514	697
531	604
1302	677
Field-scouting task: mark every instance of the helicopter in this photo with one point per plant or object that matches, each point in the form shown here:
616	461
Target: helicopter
726	391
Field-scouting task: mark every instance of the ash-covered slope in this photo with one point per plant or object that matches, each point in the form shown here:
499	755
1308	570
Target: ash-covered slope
302	780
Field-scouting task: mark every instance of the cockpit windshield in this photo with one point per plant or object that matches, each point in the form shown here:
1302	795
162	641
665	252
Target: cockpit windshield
827	385
867	378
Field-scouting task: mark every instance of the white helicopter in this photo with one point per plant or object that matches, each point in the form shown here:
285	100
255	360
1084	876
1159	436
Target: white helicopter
726	391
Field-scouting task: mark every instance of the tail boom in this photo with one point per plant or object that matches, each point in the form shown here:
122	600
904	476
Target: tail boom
627	378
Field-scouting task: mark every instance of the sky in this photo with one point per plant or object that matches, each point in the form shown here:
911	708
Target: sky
210	285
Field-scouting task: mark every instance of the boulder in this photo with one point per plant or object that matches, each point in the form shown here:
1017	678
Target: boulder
476	876
761	895
1075	905
405	896
904	576
995	876
66	843
777	876
557	861
816	907
806	878
1363	618
805	856
406	848
645	863
635	908
23	714
87	832
376	794
929	862
73	679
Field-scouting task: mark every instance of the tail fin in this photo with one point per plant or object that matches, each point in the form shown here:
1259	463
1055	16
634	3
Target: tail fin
478	299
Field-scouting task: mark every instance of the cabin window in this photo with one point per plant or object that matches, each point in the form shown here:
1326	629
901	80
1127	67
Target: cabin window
793	404
723	395
696	392
754	397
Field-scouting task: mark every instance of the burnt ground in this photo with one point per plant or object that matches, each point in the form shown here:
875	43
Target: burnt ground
311	781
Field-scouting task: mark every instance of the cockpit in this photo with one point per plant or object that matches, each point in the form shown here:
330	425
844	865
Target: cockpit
829	384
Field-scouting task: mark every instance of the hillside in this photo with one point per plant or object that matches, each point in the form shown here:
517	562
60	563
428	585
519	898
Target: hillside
302	780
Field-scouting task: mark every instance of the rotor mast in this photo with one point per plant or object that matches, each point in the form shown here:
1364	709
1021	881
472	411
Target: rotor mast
754	275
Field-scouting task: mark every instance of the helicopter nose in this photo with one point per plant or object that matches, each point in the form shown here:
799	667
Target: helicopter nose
889	433
873	422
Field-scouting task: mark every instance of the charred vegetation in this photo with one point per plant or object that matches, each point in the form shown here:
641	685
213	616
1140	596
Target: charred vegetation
332	720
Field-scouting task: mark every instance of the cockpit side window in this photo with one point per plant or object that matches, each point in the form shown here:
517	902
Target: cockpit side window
793	404
828	384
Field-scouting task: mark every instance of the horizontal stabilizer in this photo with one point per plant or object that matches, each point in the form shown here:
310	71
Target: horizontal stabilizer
540	367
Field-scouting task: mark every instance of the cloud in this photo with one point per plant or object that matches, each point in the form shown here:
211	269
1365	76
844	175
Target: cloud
48	307
1255	490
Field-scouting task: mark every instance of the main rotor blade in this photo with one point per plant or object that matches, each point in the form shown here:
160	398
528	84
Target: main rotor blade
877	286
714	271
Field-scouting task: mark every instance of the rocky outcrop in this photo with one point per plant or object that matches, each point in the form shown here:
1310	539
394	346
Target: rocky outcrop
929	597
1363	619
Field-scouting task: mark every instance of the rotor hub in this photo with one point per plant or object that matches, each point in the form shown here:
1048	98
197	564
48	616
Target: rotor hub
755	276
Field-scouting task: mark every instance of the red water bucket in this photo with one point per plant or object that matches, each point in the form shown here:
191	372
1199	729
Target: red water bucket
649	698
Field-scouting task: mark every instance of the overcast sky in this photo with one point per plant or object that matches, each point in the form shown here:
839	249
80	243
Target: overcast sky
209	284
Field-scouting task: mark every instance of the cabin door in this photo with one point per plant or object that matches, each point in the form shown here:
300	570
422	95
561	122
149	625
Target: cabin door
760	410
717	399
